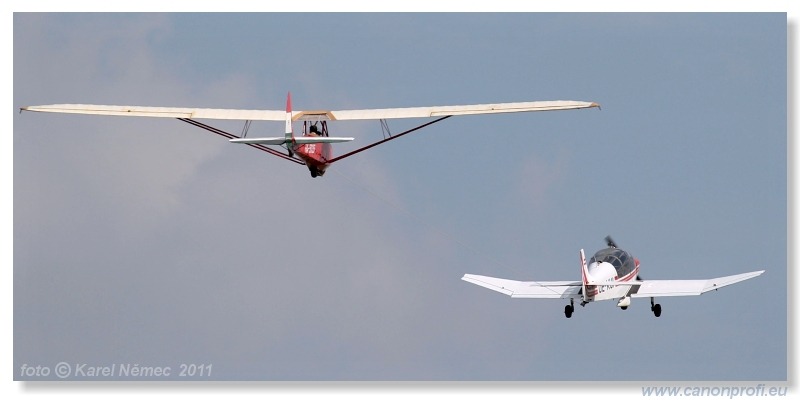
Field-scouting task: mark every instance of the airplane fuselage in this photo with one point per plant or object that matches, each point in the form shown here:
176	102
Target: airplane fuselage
315	155
610	265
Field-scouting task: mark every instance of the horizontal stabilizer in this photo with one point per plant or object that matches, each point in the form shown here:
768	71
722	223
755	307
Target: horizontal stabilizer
297	140
314	140
274	141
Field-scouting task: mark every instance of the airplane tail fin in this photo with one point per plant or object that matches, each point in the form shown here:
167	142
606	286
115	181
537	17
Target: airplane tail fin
288	132
288	138
584	276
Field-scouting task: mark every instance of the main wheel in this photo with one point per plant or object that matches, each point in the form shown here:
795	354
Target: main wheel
657	310
568	311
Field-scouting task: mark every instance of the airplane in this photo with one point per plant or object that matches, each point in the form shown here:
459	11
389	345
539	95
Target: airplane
313	147
612	274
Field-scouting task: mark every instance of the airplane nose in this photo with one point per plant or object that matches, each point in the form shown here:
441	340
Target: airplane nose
601	270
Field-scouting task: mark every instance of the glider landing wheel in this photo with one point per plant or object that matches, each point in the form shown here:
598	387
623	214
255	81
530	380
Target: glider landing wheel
657	310
568	311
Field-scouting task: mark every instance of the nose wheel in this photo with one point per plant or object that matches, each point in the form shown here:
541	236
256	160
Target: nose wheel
656	308
569	309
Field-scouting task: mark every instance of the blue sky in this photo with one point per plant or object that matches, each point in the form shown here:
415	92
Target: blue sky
151	241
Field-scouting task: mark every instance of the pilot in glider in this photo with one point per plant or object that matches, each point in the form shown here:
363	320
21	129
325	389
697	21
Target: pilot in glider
313	146
612	274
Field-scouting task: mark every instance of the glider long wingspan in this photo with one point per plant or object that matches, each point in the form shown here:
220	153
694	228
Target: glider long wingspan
275	115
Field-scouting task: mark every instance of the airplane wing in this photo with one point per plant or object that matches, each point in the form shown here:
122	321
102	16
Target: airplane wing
677	288
160	112
276	115
527	289
438	111
639	289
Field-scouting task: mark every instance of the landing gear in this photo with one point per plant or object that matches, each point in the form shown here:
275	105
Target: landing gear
656	308
316	171
569	309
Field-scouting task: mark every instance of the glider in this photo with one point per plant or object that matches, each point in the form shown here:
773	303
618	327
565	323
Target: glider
312	147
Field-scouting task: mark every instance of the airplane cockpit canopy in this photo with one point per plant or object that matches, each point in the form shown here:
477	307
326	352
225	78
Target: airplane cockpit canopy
621	260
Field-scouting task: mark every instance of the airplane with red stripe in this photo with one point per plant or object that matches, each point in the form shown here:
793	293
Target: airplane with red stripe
612	274
312	147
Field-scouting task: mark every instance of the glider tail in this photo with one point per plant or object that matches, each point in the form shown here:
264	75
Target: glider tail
289	134
584	278
291	142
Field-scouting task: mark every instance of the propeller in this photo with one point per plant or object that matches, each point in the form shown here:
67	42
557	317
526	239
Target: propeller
610	242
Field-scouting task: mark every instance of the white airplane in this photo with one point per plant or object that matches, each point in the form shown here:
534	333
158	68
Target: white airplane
612	274
313	146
